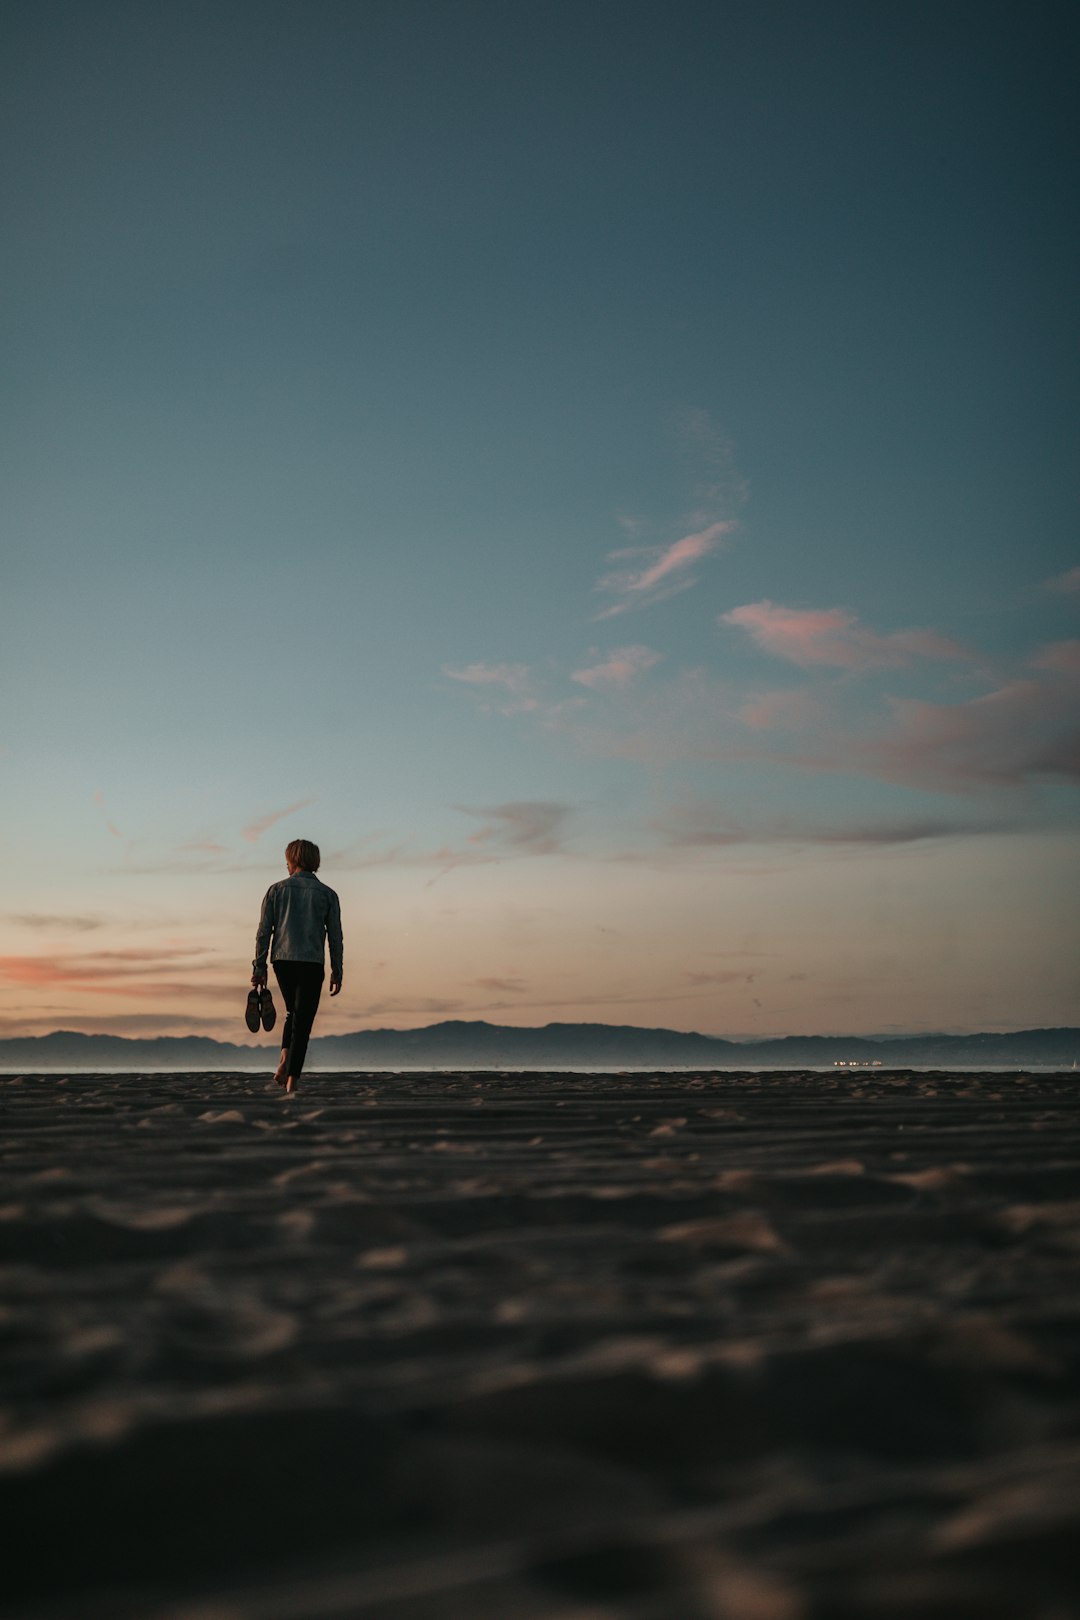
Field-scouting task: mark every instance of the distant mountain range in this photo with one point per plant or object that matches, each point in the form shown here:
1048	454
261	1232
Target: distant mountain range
478	1045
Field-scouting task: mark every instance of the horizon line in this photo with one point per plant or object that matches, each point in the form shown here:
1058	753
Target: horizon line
482	1023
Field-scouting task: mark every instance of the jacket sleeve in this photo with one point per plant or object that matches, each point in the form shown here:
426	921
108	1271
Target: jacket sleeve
264	932
333	936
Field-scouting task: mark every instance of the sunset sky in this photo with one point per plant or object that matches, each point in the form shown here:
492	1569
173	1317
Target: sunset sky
605	471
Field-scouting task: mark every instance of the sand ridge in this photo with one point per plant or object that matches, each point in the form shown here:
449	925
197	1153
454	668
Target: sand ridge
781	1346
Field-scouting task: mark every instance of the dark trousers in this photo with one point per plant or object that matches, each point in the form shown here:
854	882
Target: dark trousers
301	985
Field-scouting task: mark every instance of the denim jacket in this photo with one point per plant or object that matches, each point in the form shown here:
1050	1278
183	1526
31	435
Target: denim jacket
300	913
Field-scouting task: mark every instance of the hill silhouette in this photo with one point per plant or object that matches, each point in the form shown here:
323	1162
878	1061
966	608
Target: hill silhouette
457	1043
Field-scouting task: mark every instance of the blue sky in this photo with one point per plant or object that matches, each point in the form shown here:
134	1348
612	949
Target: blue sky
603	471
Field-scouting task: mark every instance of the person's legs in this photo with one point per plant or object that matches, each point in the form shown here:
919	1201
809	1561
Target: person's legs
305	982
285	973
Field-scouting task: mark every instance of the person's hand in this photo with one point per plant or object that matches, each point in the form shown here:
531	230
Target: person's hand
258	981
335	987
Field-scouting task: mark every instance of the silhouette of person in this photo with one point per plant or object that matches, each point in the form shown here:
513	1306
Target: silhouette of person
299	915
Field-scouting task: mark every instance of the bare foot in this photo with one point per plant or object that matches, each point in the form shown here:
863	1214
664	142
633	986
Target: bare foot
279	1072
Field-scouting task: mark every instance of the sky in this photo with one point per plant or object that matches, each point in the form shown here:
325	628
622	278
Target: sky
604	471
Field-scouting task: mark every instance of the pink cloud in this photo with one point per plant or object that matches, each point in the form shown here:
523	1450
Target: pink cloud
704	826
1024	731
108	972
401	1005
720	978
510	681
1060	656
507	831
690	549
39	919
833	638
512	677
111	827
255	829
664	573
507	986
780	711
1065	583
1021	732
620	667
114	1023
532	826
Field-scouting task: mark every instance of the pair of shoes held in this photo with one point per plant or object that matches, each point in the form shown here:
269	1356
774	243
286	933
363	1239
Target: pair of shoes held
267	1010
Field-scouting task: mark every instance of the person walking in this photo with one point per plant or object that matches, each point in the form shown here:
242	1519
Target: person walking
299	915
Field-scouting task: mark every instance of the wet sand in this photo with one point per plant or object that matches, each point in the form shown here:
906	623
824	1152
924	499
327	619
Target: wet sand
541	1347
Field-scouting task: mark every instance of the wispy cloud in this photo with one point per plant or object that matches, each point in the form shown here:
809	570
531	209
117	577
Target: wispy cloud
1024	731
690	715
111	827
832	637
526	826
703	826
504	688
619	668
1063	657
113	1023
510	677
728	977
206	846
780	711
410	1005
192	864
633	524
255	829
515	987
659	571
1065	583
408	854
600	999
180	1023
126	972
73	925
509	831
709	453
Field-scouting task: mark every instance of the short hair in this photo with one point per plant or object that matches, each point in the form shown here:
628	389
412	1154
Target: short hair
304	854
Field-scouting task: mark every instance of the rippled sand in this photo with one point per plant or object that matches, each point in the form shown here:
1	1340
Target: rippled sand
541	1347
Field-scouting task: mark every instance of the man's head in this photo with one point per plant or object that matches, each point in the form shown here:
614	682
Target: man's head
302	855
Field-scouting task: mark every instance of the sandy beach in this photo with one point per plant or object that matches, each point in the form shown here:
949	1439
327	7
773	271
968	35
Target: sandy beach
798	1346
